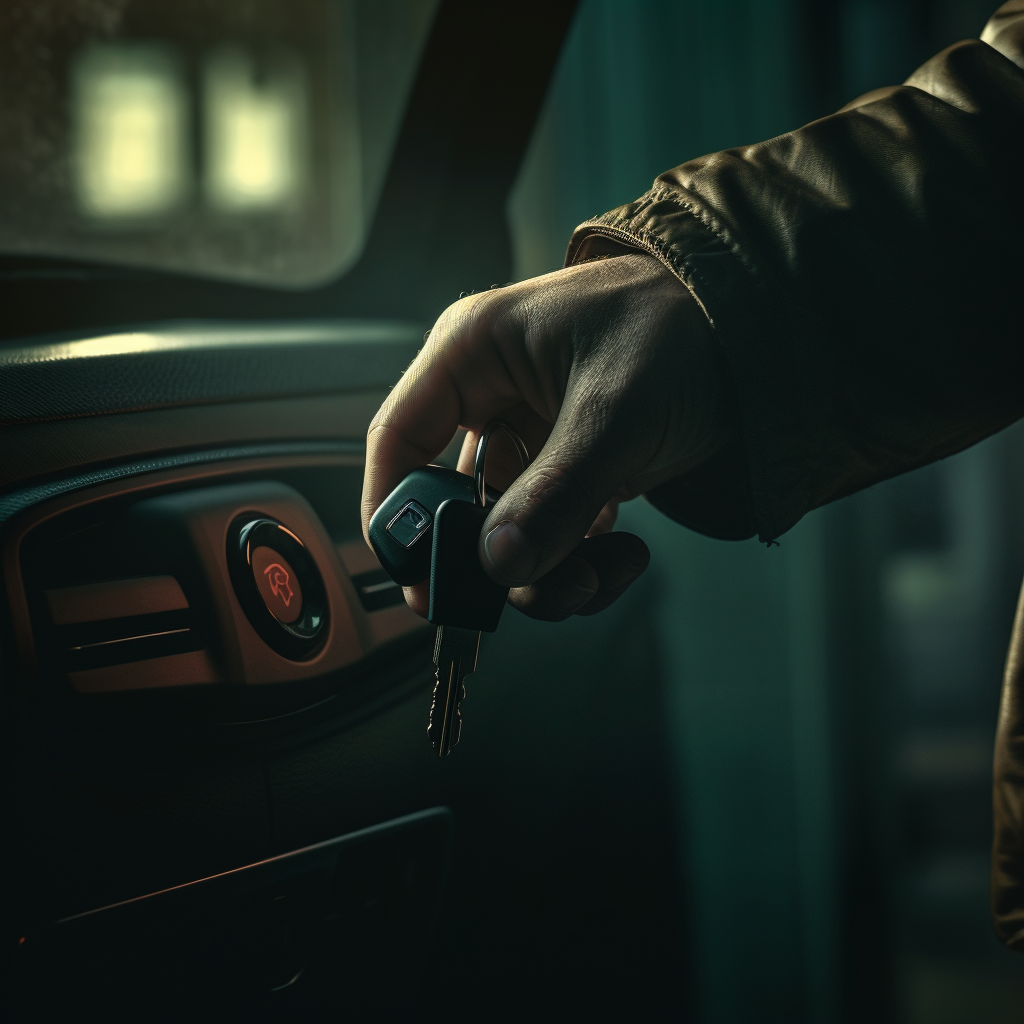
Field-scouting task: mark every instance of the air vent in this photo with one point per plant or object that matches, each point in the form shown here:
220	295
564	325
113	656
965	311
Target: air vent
135	592
376	590
127	634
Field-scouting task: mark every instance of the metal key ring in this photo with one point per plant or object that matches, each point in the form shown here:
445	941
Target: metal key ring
480	494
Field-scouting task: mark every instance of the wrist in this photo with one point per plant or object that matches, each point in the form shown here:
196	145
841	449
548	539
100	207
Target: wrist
707	416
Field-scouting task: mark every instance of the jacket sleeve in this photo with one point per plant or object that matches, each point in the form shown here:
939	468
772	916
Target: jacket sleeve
864	277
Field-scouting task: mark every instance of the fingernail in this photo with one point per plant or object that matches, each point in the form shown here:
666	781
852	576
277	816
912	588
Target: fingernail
510	554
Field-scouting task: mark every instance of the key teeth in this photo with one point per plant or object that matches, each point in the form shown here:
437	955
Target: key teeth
431	725
433	729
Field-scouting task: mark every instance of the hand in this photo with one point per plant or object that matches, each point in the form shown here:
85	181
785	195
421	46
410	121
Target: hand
609	372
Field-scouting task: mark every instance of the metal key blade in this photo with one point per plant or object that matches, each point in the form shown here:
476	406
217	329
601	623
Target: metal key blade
455	654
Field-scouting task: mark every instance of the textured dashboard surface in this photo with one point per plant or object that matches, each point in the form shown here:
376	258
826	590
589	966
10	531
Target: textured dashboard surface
195	363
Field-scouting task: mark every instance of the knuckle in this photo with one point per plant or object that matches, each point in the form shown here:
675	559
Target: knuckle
467	315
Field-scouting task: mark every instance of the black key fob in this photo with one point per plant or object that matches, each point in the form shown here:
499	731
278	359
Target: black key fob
401	530
461	593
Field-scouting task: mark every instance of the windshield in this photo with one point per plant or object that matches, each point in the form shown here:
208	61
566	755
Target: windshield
239	139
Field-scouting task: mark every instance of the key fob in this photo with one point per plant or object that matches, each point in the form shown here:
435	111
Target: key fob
401	530
461	593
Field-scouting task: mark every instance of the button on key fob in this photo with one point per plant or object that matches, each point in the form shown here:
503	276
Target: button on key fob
402	528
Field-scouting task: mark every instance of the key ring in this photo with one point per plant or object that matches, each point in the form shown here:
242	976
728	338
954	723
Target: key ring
480	492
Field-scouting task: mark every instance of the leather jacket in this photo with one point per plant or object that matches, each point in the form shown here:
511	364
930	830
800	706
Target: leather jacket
864	277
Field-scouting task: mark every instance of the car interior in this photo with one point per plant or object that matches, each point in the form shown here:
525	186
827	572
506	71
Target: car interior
226	229
755	789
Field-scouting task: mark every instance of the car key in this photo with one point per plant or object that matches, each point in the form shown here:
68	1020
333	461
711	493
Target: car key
464	601
401	529
450	508
455	654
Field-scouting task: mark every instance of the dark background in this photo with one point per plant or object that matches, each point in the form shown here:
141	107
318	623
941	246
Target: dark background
833	701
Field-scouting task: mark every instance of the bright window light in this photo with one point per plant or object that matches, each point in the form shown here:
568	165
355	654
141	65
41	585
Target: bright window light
254	132
242	141
131	132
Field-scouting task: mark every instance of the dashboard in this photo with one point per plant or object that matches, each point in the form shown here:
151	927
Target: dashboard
210	807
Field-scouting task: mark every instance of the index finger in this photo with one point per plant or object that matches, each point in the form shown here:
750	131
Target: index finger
464	376
411	428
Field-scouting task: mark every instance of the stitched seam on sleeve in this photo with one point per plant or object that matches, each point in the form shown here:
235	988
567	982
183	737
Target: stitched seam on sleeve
705	218
626	221
653	244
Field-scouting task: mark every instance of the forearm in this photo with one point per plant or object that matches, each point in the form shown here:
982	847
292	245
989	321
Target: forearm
862	277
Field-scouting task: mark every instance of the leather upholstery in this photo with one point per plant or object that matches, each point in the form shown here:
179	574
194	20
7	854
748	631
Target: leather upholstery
862	275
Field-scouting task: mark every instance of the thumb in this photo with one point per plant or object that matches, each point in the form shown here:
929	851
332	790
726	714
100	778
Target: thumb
549	508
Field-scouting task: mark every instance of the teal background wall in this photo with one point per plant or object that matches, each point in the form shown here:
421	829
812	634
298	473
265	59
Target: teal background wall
791	673
643	86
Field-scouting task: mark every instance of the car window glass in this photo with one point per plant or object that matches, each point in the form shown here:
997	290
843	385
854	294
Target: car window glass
239	139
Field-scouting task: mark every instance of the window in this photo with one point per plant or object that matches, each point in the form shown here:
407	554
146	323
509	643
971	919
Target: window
241	139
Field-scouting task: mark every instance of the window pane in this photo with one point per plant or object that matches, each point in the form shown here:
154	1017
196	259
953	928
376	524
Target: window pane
256	148
130	132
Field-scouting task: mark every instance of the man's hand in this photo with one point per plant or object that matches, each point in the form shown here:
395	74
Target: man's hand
608	371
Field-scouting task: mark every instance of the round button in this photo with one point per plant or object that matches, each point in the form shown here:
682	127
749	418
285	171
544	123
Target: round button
278	584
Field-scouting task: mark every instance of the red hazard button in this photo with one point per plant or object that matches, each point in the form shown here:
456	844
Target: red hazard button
277	583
